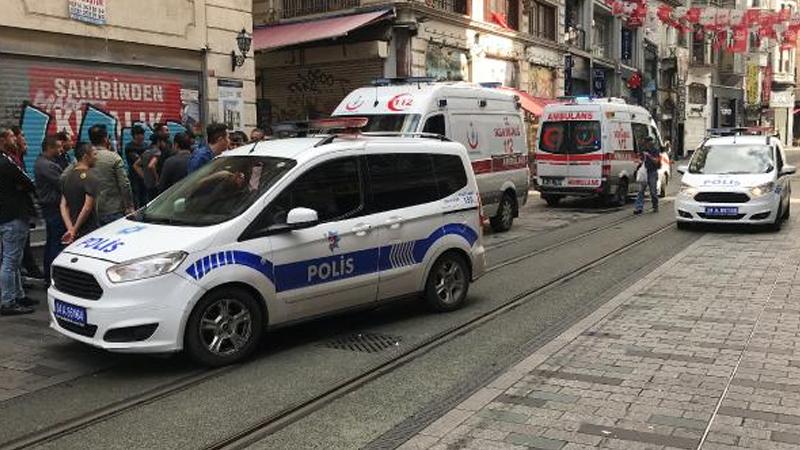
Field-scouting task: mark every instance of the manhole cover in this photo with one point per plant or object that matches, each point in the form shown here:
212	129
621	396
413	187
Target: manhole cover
363	342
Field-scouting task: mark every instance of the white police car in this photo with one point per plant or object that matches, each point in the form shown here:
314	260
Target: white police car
271	234
736	179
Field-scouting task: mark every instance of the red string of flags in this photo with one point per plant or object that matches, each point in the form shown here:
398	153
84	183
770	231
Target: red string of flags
728	29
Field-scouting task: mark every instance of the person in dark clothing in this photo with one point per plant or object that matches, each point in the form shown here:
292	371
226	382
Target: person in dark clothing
650	155
149	165
133	153
48	189
16	211
175	166
29	265
66	145
79	194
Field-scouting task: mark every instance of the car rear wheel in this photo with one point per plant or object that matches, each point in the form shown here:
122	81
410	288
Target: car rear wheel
224	327
620	197
504	218
448	283
552	200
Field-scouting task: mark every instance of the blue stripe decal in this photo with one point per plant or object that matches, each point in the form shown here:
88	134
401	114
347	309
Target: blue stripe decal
316	271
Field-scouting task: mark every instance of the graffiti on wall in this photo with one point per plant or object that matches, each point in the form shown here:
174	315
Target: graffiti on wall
36	123
312	94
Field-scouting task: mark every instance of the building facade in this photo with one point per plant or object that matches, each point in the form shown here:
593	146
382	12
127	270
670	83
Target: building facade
70	64
518	44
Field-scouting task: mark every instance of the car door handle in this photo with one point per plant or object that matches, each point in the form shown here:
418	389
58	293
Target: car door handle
362	229
394	222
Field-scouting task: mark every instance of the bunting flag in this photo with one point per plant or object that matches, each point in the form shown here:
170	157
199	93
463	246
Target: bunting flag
789	39
739	41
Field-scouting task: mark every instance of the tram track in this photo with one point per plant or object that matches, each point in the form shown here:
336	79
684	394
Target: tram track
289	415
294	412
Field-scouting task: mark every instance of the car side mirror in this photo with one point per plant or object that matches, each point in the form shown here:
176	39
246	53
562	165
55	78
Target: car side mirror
788	170
301	218
682	169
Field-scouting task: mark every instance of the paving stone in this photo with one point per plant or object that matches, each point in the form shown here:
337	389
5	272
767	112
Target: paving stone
577	377
503	416
638	436
678	422
553	396
535	441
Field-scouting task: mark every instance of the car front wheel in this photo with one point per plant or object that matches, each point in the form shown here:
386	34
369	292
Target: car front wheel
448	283
225	327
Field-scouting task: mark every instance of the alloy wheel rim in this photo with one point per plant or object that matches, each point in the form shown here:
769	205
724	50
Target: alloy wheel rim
450	282
225	327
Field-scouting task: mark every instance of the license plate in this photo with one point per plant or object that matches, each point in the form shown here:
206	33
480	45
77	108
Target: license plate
722	210
552	181
70	313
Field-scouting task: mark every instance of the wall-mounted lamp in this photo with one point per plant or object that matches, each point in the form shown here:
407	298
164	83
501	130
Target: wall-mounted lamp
243	41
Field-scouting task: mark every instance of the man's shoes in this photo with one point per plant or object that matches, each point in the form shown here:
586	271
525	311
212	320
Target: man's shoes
655	210
34	273
15	310
27	301
636	212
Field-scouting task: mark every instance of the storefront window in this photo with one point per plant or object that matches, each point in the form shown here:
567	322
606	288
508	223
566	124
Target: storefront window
446	63
491	70
541	82
698	94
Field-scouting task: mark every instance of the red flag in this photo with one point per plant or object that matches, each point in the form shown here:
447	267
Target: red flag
664	14
693	15
789	39
785	14
617	8
739	44
752	17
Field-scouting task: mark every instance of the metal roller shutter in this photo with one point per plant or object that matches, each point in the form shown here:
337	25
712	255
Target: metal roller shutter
313	91
46	96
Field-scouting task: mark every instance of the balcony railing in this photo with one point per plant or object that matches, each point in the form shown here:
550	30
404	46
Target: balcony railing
453	6
575	37
298	8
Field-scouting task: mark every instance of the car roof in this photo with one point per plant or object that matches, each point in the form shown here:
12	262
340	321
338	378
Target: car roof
742	140
306	148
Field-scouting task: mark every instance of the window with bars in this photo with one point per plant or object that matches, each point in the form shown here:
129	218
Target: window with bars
502	12
542	20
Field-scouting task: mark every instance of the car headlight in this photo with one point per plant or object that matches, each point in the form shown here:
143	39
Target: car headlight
688	191
762	190
147	267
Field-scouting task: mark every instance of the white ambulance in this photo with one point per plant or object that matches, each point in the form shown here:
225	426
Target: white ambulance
589	147
488	122
271	234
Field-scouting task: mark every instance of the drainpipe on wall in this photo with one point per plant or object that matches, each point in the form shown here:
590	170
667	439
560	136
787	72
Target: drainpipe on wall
405	28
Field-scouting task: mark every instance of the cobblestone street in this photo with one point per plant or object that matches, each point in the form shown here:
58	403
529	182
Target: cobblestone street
700	353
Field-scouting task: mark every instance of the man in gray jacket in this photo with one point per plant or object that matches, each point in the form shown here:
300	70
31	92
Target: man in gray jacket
114	199
48	188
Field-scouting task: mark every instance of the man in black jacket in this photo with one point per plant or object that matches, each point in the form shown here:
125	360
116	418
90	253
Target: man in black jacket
48	189
16	209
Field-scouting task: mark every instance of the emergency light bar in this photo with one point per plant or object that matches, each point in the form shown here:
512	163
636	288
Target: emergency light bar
739	131
584	99
349	124
400	81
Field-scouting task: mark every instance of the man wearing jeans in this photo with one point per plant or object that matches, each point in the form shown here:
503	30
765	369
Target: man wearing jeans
48	189
16	209
651	157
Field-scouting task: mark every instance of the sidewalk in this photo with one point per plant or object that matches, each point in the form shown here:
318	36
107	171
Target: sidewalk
705	348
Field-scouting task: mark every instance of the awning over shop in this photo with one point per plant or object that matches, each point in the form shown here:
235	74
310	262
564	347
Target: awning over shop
531	104
275	36
796	111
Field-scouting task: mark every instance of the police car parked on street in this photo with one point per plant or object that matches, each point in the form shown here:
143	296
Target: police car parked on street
274	233
736	178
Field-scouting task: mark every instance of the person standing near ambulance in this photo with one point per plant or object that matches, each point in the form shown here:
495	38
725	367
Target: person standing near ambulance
650	155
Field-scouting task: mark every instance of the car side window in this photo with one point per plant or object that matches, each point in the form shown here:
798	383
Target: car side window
640	131
450	175
435	124
398	180
333	189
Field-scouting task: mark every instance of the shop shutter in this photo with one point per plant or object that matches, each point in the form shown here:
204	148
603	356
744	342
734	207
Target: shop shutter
313	91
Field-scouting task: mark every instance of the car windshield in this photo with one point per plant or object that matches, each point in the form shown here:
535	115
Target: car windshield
219	191
570	137
732	159
405	123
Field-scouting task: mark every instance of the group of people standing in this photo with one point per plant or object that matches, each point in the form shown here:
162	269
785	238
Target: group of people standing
80	192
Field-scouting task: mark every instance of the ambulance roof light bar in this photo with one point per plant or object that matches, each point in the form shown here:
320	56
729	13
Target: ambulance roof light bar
584	99
402	80
349	126
406	134
738	131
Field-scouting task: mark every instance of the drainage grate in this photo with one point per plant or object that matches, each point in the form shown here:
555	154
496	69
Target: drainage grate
363	342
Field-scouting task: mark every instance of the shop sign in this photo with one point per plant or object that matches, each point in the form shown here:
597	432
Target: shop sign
88	11
627	44
231	103
766	85
751	94
599	83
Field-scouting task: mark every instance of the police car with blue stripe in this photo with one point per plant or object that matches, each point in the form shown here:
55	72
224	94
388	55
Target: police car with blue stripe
275	233
738	177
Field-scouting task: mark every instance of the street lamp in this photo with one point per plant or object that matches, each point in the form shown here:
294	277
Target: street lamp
243	41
